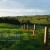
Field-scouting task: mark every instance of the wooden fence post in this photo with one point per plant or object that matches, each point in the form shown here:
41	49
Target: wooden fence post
34	29
24	26
27	27
46	36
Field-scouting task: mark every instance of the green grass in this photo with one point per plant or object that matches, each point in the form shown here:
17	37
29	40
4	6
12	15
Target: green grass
6	25
24	39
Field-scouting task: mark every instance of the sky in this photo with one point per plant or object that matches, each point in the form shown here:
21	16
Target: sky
24	7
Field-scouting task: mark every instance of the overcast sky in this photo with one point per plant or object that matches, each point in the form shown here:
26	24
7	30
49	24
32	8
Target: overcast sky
24	7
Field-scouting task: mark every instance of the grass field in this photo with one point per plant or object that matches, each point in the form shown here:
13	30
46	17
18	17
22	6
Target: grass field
12	37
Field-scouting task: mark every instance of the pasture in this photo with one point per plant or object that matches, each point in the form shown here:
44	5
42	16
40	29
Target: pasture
13	37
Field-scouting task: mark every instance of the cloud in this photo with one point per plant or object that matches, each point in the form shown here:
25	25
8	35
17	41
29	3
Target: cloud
4	0
24	10
15	12
11	4
24	7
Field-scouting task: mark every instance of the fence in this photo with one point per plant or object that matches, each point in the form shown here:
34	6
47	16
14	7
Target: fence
34	32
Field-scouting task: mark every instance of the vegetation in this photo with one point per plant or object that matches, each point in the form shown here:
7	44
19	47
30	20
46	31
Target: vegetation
38	19
13	37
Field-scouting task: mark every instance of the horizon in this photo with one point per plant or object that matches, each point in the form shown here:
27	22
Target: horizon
24	7
25	15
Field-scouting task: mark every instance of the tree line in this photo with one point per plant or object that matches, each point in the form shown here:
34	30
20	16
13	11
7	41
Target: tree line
38	19
9	20
13	20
